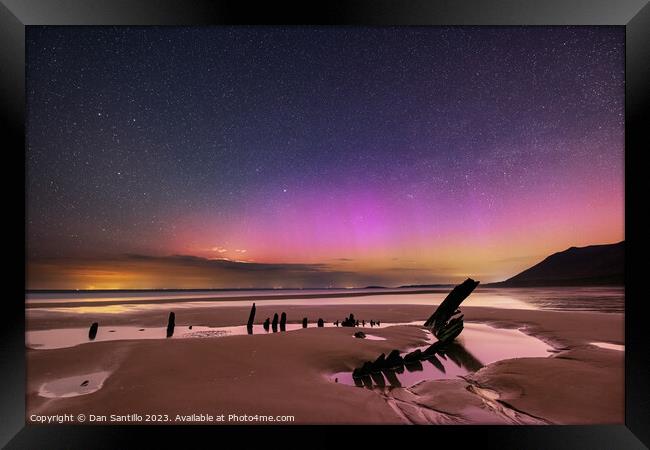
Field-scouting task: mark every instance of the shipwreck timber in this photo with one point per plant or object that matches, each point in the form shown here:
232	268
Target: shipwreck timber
446	324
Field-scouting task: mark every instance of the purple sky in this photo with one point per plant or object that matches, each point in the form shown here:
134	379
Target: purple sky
309	157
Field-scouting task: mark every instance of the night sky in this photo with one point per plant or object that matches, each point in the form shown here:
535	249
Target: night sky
315	157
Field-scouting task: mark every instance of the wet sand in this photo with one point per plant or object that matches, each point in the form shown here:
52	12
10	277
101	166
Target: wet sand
265	295
289	373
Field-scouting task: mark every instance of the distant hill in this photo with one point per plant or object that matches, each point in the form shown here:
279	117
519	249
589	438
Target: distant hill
575	266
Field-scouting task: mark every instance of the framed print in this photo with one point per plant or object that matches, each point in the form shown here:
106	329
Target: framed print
338	222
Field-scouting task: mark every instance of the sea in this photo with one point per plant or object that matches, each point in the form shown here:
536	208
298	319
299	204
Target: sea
602	299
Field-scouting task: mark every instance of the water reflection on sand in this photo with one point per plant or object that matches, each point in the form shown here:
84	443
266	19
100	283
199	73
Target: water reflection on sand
70	337
74	386
478	346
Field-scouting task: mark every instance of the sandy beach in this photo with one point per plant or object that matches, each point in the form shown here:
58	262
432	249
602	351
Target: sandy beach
290	373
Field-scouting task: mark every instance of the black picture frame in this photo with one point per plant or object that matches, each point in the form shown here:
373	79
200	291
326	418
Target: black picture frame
634	15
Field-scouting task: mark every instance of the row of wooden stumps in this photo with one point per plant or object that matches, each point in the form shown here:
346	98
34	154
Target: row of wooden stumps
350	321
171	324
273	325
446	324
268	324
282	321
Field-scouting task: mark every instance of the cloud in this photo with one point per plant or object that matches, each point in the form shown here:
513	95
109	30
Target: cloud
227	264
219	249
140	271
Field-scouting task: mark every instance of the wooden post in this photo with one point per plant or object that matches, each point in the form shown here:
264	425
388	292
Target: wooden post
92	332
171	323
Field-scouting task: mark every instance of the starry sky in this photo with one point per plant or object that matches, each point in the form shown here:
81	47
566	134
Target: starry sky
212	157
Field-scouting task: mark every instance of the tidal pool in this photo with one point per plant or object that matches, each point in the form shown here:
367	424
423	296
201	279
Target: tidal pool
70	337
74	386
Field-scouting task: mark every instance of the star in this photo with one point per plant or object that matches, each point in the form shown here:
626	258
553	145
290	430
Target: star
394	142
